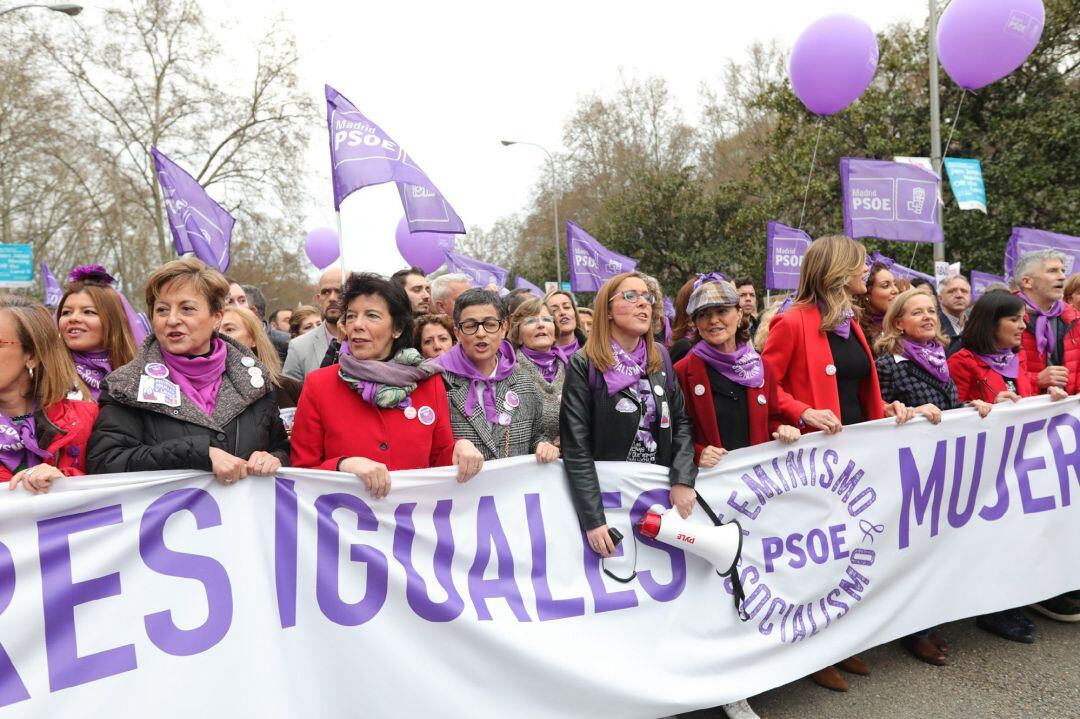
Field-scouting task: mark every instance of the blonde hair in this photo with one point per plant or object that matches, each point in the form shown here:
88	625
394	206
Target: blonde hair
55	374
827	267
529	308
889	342
598	350
207	281
264	348
115	328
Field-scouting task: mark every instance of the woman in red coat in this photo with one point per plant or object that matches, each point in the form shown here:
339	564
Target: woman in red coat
823	366
729	394
42	435
379	409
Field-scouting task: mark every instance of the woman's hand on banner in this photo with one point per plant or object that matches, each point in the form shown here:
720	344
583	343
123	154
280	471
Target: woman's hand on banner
900	411
36	479
546	452
374	475
982	407
467	459
682	498
1006	397
710	456
822	419
787	434
227	469
1056	393
931	412
263	463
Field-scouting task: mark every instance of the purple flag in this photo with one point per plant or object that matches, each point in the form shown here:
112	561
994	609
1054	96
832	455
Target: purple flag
198	224
520	283
890	201
1025	239
669	308
592	264
481	273
785	247
899	272
53	293
426	210
980	281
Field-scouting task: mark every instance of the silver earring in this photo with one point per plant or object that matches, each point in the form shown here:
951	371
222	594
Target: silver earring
31	371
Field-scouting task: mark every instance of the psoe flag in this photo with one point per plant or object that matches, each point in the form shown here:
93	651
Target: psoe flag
53	293
520	283
966	181
898	271
481	273
198	224
426	210
890	201
785	247
980	281
1026	239
592	264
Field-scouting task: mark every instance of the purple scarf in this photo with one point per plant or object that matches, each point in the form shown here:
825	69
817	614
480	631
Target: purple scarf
546	362
743	366
92	368
457	362
629	367
566	351
385	384
843	330
199	377
18	443
1006	363
928	355
1045	338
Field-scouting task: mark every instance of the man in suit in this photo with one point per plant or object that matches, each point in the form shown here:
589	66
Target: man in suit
954	299
306	352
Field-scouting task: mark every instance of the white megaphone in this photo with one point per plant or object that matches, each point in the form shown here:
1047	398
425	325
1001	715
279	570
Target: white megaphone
719	545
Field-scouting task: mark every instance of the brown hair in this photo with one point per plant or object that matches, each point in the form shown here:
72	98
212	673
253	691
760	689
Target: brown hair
827	266
207	281
115	329
431	319
862	304
1072	284
529	308
299	315
264	348
888	343
683	322
598	350
55	372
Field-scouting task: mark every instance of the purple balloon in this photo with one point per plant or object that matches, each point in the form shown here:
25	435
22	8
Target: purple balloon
832	63
321	247
426	250
982	41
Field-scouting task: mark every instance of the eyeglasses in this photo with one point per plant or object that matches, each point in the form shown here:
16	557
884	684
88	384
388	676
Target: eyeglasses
632	296
539	319
470	327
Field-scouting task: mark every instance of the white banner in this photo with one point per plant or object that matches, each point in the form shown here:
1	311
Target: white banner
168	594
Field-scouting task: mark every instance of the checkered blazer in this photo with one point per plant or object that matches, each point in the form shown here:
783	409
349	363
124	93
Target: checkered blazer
905	381
526	421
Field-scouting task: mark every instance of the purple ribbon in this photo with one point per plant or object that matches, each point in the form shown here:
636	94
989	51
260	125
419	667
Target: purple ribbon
928	355
704	277
1006	363
628	368
1045	339
743	366
18	443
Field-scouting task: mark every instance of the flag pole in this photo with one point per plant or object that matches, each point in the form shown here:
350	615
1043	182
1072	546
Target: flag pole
340	249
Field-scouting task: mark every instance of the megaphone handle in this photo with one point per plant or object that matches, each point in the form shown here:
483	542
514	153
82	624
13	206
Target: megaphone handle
737	591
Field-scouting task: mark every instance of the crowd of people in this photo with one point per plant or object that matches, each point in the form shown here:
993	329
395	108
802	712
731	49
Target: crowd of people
384	374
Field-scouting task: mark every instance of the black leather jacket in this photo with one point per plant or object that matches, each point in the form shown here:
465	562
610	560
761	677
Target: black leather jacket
592	430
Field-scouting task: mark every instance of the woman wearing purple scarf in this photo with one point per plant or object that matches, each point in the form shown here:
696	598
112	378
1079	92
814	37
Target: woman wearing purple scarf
191	398
532	332
621	403
881	290
95	327
568	335
493	402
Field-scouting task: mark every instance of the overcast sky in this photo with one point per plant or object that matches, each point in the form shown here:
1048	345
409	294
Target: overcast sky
448	80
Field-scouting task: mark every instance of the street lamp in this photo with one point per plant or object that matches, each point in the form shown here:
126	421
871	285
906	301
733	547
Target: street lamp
554	203
67	9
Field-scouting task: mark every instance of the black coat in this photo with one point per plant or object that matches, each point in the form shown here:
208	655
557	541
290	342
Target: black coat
591	430
909	383
134	436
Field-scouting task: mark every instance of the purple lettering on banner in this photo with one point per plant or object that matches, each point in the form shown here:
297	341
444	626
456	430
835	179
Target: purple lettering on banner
547	608
916	497
489	531
1063	460
416	592
958	518
603	600
658	591
997	511
160	627
286	518
12	689
327	579
1024	466
60	596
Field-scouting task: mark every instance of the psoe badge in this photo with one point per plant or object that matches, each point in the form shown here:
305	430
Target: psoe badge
426	415
159	391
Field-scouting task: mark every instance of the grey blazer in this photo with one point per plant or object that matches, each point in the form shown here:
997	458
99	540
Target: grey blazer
306	354
526	420
550	394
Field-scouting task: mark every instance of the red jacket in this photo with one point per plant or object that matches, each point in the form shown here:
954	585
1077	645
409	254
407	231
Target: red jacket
694	379
976	380
797	354
333	422
64	432
1036	363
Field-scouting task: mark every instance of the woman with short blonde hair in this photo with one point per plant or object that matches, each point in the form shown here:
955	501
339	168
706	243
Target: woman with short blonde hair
43	434
532	332
242	325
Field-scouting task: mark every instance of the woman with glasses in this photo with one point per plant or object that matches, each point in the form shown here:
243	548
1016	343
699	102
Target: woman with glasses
532	332
621	403
43	435
493	402
379	408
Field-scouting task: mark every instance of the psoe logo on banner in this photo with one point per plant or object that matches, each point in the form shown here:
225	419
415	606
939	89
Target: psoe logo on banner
803	580
585	259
